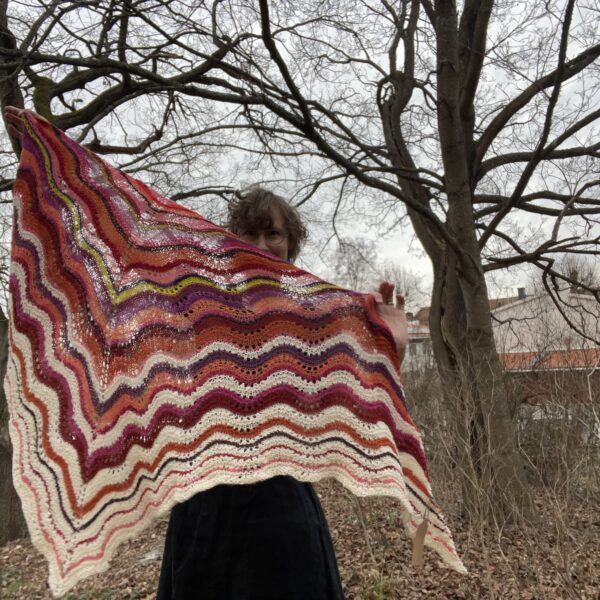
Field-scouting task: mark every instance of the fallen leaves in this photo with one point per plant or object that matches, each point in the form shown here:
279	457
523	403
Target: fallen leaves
515	564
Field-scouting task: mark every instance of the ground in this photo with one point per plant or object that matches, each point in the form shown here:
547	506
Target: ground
557	557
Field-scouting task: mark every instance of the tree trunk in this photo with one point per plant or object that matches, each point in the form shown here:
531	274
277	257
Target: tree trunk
12	523
492	473
492	476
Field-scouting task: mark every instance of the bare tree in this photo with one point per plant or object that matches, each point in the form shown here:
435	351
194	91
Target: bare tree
355	264
476	122
358	265
581	272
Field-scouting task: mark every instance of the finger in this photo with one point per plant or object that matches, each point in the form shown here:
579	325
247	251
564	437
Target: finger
13	120
400	301
13	111
386	289
16	133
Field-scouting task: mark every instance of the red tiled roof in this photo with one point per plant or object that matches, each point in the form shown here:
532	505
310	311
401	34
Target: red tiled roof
551	360
497	302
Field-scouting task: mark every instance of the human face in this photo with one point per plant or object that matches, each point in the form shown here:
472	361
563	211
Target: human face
273	239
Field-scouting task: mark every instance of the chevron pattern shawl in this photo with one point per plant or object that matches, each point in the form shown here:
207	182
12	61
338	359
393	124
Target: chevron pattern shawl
154	355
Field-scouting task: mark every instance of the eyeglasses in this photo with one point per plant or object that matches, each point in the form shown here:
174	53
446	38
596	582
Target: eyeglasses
273	237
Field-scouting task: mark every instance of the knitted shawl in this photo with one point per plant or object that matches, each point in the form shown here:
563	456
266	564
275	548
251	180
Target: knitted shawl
154	355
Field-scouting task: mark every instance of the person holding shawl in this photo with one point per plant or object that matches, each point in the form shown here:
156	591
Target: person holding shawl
268	540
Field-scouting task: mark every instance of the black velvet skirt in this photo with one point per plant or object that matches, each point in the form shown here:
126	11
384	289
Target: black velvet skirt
266	541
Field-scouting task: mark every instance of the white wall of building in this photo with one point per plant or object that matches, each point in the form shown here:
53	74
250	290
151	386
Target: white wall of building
535	324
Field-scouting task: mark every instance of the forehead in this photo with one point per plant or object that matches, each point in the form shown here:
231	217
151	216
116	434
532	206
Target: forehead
276	218
264	217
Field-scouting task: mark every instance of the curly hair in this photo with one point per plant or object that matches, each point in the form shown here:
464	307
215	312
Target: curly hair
251	210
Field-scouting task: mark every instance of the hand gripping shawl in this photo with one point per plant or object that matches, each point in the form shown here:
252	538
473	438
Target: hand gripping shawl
154	355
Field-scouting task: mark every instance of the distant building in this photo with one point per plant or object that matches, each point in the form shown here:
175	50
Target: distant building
553	360
532	332
542	352
422	315
498	302
419	354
